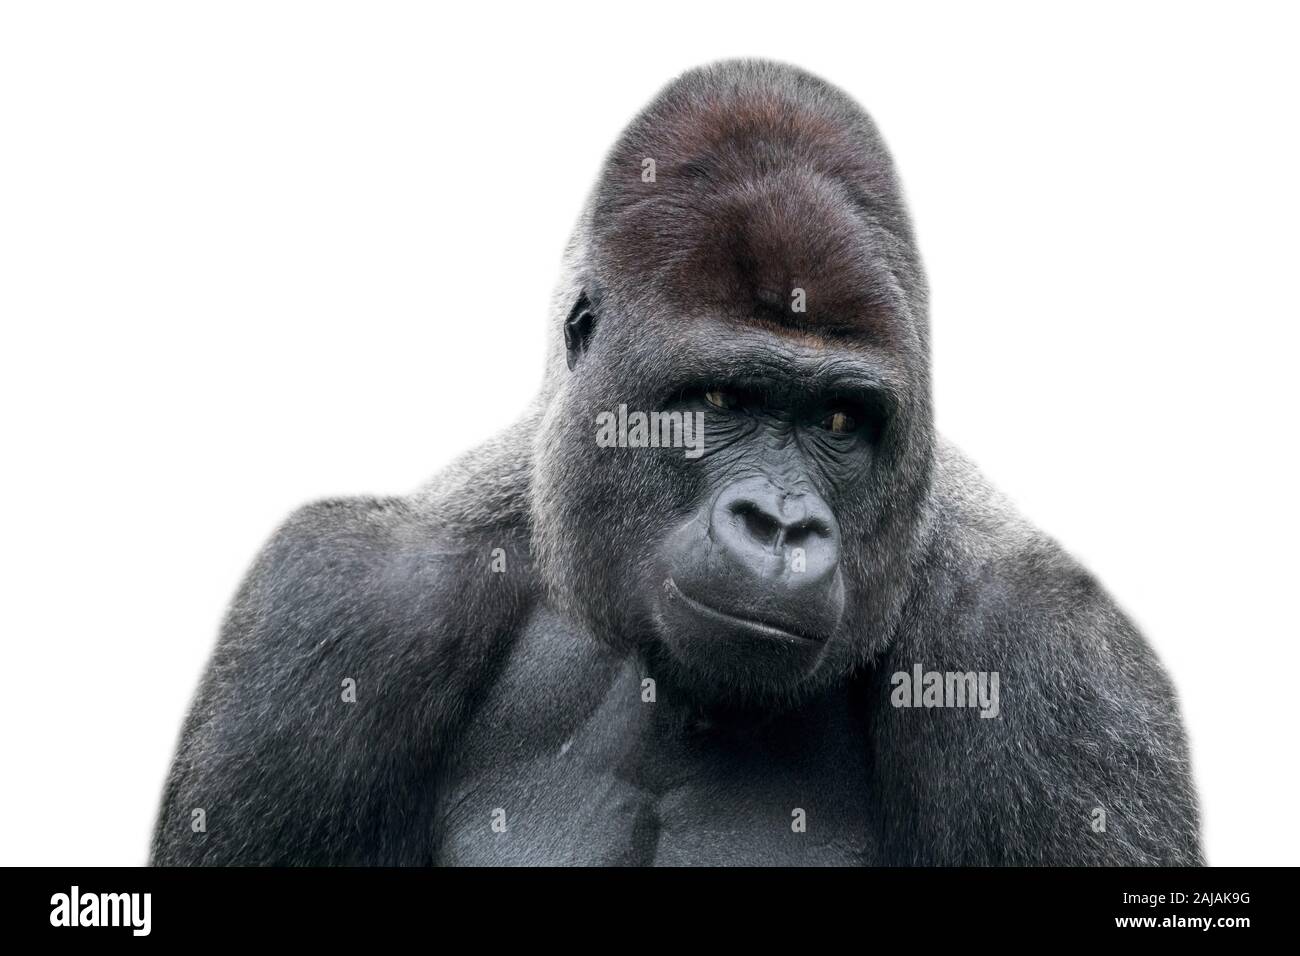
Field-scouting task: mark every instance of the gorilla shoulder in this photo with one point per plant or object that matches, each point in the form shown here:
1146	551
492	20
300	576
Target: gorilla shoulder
1087	731
341	671
370	575
997	578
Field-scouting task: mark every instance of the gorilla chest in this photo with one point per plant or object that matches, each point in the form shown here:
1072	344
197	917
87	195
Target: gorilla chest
568	763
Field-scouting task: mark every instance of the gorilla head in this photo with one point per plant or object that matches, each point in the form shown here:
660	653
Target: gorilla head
746	256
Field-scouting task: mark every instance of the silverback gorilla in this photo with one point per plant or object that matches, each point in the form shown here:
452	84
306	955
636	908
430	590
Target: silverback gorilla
818	638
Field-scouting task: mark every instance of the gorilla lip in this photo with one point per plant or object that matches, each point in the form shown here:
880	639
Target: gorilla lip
759	627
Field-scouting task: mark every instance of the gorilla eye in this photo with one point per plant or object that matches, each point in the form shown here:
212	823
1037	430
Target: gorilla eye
840	422
719	398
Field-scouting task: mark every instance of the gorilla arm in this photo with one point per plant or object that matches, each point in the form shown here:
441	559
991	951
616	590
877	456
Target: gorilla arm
284	767
1086	762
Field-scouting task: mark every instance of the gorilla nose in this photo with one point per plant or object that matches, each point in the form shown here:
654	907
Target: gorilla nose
776	534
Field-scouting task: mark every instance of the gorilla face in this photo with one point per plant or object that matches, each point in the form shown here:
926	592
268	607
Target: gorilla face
753	585
764	284
757	567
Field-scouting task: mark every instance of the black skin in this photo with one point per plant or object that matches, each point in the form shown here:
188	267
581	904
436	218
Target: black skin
566	653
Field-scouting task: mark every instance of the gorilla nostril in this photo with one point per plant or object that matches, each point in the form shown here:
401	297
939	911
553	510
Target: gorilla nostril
803	531
758	523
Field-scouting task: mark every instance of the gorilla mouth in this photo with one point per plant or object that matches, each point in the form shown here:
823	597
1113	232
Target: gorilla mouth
756	627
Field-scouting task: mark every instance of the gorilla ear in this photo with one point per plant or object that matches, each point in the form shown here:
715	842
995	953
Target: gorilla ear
578	328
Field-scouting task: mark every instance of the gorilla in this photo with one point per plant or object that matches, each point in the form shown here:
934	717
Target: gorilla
790	625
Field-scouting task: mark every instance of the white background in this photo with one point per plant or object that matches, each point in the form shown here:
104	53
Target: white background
254	254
